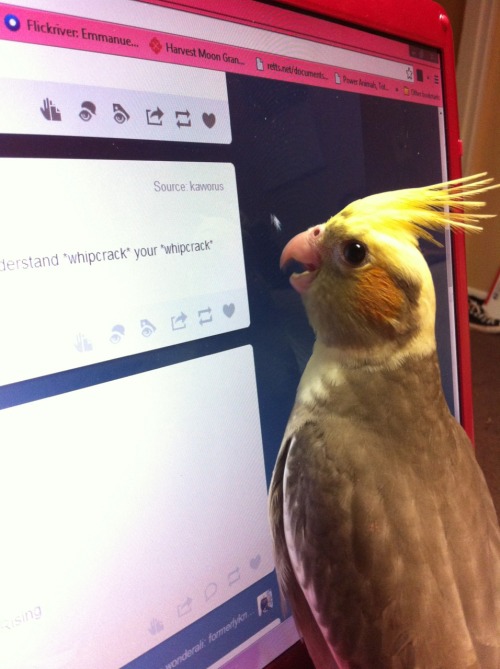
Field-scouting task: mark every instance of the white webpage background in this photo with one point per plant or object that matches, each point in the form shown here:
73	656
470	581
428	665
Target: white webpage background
135	502
64	209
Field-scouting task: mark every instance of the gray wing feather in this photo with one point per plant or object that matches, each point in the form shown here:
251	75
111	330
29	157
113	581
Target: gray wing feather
399	544
289	587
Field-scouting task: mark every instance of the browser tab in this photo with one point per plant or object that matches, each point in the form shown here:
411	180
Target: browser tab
272	60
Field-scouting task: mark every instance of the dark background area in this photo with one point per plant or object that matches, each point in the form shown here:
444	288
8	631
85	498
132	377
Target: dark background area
485	353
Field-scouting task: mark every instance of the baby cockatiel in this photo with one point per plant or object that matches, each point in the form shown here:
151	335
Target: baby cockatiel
386	540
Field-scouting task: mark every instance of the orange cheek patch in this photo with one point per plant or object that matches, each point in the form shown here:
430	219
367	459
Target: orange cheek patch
376	295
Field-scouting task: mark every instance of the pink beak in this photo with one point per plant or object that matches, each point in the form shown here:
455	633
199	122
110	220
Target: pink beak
304	248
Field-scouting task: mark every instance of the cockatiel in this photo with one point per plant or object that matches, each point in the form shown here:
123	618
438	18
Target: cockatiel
387	544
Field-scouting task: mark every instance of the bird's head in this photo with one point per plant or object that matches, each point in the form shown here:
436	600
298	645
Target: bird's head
367	289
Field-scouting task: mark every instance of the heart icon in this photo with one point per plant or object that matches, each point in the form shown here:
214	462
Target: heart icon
228	309
209	120
255	561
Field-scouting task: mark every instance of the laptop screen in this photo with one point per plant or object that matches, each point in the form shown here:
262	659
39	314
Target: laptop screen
154	162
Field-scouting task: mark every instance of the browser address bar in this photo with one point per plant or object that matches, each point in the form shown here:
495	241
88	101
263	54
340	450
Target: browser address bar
346	59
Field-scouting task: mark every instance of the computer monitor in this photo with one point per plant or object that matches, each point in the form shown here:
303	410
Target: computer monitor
155	158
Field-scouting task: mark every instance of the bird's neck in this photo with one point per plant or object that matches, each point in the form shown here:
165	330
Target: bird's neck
332	364
329	366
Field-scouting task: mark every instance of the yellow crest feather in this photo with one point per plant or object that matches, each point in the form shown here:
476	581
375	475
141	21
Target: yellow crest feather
414	211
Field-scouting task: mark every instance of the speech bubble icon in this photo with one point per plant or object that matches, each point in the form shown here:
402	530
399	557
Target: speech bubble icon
210	591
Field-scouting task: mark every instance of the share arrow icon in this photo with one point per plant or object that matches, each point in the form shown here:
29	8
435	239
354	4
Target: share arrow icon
178	322
154	116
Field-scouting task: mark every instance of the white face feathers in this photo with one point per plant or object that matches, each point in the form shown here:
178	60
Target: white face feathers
367	289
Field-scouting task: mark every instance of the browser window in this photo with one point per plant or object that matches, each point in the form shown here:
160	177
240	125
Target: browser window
154	163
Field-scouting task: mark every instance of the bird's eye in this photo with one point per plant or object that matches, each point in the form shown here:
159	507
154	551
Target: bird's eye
354	252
